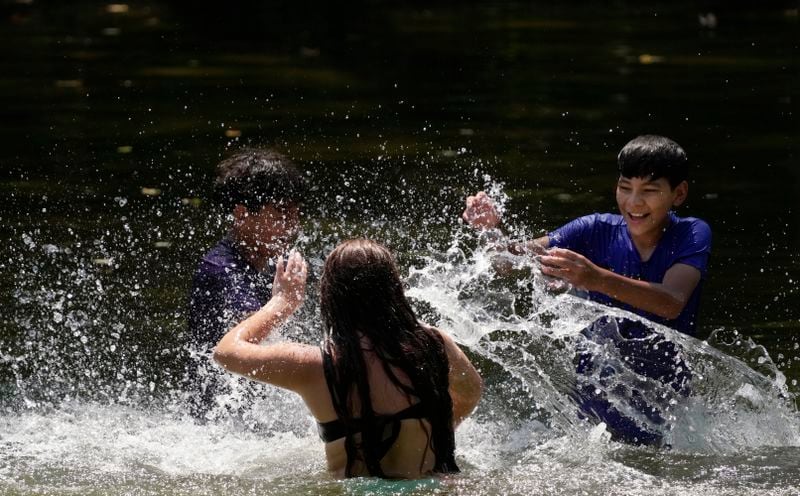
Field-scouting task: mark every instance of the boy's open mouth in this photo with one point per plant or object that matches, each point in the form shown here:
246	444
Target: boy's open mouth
637	216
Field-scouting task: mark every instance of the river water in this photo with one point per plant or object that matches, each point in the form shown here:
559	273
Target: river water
115	114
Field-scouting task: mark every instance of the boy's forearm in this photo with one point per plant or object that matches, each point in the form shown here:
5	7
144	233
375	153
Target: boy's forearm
651	297
501	241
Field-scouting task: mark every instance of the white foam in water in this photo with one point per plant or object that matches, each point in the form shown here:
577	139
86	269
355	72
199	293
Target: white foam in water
85	420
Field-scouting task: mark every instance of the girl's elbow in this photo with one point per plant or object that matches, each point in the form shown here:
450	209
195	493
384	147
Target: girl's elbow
221	356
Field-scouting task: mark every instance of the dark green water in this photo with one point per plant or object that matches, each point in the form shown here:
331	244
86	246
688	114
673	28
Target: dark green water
396	113
97	105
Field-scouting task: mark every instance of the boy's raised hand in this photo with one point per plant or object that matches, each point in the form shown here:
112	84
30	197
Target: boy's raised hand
481	212
290	281
572	267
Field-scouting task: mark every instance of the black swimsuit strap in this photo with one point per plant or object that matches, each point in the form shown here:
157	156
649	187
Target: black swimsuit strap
334	429
390	425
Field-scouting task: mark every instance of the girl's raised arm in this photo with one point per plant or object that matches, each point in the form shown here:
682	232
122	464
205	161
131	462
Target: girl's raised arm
287	365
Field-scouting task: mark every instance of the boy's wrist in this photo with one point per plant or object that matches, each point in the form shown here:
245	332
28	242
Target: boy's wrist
603	282
493	235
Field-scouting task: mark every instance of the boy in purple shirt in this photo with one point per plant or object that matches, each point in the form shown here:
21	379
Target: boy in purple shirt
645	259
605	240
262	191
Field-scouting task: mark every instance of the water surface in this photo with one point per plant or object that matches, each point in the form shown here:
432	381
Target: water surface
114	116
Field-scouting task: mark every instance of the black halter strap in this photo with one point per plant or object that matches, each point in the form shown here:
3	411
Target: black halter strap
388	425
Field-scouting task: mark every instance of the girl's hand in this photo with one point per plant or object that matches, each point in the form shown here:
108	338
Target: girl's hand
290	281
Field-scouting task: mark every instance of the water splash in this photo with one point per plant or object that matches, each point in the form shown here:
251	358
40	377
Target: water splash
92	365
532	338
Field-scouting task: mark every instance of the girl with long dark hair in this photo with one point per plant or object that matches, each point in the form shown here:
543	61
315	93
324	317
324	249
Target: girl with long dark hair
386	389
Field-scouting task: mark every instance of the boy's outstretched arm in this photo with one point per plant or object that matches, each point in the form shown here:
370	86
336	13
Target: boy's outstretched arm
481	213
666	299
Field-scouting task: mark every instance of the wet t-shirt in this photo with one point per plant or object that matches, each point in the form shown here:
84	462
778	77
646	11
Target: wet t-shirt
604	239
225	289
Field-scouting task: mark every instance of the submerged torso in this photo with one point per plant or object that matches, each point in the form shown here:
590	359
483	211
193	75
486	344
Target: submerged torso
409	456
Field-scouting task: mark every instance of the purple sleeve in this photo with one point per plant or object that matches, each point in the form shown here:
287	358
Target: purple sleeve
217	302
695	246
240	300
573	235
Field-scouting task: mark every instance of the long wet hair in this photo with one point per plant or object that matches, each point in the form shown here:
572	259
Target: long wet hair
361	297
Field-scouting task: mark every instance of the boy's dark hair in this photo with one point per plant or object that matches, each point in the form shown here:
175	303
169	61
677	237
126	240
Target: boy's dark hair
255	177
654	157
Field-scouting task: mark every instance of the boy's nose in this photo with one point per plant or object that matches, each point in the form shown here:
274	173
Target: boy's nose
636	199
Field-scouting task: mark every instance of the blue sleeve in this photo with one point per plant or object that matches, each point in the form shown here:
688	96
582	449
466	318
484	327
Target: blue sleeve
573	235
695	246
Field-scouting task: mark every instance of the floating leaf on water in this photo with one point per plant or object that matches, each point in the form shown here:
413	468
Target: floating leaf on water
107	262
151	191
194	202
162	244
647	59
707	20
124	149
233	133
309	52
69	83
117	8
466	132
564	197
449	153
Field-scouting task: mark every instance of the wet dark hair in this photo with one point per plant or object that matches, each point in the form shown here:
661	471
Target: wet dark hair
654	157
255	177
361	296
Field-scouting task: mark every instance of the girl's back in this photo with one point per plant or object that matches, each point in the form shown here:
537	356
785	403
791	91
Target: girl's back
406	446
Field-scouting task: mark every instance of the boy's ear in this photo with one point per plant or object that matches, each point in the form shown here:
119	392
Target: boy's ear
239	212
681	193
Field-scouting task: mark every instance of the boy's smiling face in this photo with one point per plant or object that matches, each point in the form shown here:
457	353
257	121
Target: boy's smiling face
645	204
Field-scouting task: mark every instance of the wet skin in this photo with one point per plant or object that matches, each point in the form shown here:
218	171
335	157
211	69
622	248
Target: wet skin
645	203
266	233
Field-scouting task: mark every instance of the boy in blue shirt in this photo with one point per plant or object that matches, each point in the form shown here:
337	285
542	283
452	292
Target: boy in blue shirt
646	260
262	191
